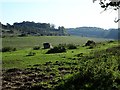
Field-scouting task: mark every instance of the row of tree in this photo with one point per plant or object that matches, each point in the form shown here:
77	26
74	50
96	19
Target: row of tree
94	32
32	28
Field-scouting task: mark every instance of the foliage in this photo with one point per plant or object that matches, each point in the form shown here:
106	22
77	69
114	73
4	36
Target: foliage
90	43
57	49
109	3
94	32
101	72
61	48
8	49
31	28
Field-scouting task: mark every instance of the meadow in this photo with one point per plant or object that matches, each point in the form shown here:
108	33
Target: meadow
31	41
25	45
42	71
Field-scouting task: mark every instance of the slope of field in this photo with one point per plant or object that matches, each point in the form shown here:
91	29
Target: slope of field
31	41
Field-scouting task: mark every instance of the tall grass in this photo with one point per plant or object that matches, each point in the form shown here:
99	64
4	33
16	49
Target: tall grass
29	42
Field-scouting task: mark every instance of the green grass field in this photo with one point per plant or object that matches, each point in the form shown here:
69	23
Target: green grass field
47	71
26	44
31	41
20	59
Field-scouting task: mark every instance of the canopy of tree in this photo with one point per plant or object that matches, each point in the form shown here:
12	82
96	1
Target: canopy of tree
115	4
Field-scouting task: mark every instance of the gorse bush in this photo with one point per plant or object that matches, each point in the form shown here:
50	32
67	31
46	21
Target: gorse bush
90	43
8	49
57	49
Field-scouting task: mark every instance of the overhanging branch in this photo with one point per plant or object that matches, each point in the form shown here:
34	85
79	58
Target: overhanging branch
116	21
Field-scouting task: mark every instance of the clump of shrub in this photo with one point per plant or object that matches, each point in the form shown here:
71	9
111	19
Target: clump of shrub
22	35
31	54
8	49
57	49
71	46
36	48
90	43
111	41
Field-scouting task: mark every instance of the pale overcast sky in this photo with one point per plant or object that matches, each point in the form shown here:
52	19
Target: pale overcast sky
67	13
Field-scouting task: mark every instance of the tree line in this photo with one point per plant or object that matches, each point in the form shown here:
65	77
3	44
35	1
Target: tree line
32	28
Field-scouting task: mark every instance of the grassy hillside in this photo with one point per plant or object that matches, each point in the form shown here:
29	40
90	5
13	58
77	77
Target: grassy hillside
43	71
31	41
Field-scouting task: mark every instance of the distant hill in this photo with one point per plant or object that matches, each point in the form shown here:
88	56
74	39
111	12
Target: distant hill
46	29
94	32
32	28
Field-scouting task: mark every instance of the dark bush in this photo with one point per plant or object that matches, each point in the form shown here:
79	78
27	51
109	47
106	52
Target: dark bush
90	43
58	49
71	46
91	47
111	41
22	35
8	49
36	48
